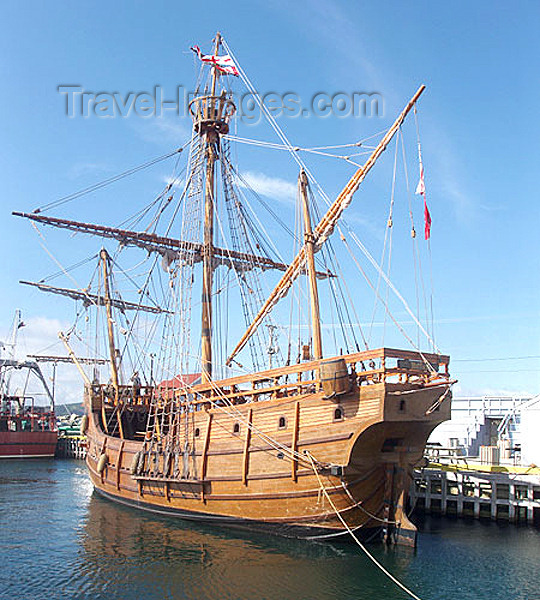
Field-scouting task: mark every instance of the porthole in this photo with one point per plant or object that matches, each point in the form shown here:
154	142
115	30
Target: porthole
402	405
338	414
282	424
197	432
390	444
236	428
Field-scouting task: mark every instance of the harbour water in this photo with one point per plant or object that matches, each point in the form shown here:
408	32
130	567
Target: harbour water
60	541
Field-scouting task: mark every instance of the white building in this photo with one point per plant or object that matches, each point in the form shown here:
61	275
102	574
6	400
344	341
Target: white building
530	432
483	421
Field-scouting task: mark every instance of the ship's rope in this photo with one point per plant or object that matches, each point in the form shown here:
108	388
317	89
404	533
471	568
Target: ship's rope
295	155
431	387
236	414
264	143
437	402
248	286
317	150
163	199
292	455
353	308
148	279
369	514
245	183
106	182
273	123
250	235
417	260
296	293
170	338
388	237
338	286
65	270
231	410
413	229
429	240
358	542
368	255
54	259
300	300
403	332
356	144
143	292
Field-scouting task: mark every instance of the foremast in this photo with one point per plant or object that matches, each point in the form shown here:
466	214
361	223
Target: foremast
104	256
110	331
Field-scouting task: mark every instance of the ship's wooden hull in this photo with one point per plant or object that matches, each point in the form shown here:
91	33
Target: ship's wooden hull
234	475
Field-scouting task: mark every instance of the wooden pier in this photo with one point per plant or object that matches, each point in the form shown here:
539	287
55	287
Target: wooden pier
71	446
482	491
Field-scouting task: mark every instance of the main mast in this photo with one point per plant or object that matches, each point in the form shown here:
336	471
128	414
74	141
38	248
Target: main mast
210	131
211	114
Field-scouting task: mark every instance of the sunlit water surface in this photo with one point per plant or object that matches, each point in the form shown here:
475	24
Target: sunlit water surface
58	540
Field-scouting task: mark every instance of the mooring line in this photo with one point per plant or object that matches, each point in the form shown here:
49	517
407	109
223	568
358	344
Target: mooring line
364	549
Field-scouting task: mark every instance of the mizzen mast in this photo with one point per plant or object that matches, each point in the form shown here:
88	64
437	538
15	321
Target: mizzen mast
324	228
309	242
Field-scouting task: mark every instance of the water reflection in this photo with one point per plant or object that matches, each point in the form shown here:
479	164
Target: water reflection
169	558
59	541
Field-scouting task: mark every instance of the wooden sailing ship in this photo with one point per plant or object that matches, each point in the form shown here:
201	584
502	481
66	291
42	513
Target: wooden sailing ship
252	449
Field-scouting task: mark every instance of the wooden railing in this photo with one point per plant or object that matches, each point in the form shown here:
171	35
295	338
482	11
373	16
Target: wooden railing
127	394
384	365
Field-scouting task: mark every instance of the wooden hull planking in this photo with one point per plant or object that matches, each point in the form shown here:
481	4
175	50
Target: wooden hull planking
234	476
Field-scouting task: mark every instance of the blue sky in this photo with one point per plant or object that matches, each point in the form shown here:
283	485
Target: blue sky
478	118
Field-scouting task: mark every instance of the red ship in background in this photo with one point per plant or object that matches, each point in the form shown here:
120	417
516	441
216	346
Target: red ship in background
27	429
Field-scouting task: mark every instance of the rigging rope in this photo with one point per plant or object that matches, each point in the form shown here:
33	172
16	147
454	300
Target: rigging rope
416	254
323	194
105	182
428	364
237	414
388	238
275	126
51	255
368	255
429	238
317	150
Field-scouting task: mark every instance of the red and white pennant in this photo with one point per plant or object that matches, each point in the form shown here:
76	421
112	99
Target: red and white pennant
421	189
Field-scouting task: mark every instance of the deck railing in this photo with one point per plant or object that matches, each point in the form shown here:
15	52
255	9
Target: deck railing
384	365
